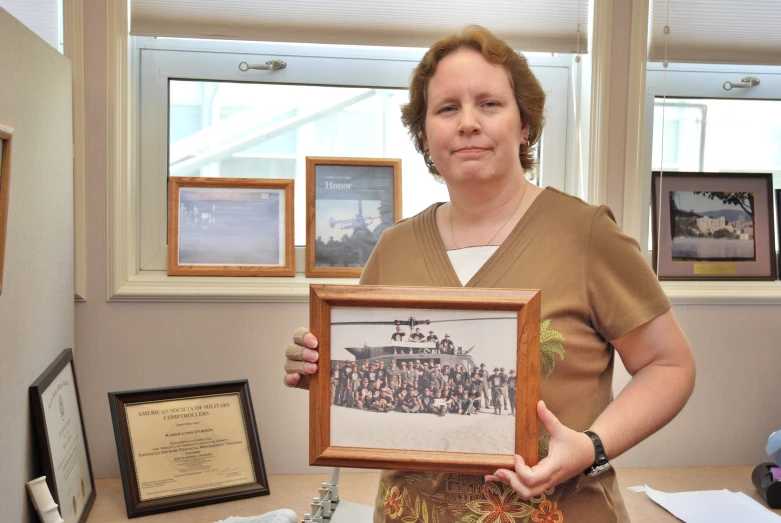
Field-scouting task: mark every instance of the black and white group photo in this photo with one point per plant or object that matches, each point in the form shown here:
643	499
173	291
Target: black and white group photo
423	379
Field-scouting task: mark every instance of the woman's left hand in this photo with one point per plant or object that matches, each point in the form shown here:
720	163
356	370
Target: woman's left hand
570	453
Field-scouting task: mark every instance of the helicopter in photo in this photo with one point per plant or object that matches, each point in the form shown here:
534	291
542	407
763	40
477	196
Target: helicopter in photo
442	351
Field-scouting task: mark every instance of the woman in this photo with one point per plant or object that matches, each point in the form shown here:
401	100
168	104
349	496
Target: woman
475	113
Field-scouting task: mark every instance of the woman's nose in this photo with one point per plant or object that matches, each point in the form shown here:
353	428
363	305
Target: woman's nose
469	122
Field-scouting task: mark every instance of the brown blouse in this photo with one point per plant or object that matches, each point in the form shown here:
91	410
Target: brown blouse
596	287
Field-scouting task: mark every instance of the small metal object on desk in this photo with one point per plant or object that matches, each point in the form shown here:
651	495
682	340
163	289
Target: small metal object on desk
324	506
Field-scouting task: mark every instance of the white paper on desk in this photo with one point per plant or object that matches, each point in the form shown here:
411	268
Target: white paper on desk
712	506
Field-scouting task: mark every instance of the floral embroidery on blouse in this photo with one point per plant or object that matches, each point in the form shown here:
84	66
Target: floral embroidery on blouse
392	502
489	503
500	504
549	348
547	513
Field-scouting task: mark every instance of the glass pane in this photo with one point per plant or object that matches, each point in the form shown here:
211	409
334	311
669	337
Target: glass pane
239	130
715	135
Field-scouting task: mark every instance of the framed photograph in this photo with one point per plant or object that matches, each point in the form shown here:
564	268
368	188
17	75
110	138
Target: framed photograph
182	447
350	202
62	440
230	227
6	139
713	226
465	362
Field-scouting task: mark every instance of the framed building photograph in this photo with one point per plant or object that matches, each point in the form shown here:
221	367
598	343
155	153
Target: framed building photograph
6	139
713	226
182	447
350	202
424	379
230	227
62	441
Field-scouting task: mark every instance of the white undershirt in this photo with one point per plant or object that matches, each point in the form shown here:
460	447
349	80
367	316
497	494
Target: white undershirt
467	261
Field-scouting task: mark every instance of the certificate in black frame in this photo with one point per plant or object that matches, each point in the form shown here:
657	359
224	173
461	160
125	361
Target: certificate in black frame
81	502
135	505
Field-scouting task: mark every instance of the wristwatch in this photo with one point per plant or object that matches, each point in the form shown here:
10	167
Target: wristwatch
601	464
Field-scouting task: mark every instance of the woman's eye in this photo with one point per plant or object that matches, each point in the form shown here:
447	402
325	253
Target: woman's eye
491	104
447	109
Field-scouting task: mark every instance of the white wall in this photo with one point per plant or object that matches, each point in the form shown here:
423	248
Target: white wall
36	304
735	404
134	345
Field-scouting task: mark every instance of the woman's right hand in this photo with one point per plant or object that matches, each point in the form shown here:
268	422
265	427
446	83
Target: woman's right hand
301	356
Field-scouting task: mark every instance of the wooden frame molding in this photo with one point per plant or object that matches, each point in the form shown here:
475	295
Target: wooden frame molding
600	101
635	121
6	137
73	34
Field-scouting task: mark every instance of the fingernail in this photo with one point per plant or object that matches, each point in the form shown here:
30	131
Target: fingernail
311	368
310	343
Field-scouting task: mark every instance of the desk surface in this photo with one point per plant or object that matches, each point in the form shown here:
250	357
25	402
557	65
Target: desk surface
296	491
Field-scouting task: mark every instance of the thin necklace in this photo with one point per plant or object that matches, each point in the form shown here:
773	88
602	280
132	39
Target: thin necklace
450	219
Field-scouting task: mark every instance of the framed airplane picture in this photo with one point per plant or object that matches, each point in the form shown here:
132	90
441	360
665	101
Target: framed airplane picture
350	202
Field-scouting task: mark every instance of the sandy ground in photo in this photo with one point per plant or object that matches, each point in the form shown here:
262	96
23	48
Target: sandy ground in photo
484	432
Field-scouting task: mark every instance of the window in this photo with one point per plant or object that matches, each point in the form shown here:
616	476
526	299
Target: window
710	129
199	115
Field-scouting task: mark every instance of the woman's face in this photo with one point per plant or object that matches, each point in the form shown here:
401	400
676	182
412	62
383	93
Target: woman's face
473	126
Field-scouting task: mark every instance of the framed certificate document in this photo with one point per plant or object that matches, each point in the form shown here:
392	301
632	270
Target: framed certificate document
230	227
56	409
181	447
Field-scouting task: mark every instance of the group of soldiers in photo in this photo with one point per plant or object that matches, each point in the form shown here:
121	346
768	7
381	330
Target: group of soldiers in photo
445	346
414	387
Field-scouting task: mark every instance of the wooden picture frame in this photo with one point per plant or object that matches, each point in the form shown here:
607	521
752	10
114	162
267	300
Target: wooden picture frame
187	446
716	226
62	439
358	436
778	232
6	141
244	227
339	192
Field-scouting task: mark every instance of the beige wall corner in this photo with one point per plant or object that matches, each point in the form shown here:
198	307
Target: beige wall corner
36	304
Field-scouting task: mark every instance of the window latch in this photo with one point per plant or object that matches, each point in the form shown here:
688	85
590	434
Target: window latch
271	65
748	81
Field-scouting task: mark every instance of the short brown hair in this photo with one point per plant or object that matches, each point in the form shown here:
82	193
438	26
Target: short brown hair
528	93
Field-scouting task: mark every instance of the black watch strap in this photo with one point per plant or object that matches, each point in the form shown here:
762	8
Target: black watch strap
601	463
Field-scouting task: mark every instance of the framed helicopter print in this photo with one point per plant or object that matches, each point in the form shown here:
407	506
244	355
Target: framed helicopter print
350	202
465	360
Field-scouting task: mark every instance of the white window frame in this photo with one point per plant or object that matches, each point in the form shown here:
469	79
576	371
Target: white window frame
162	60
128	283
693	81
